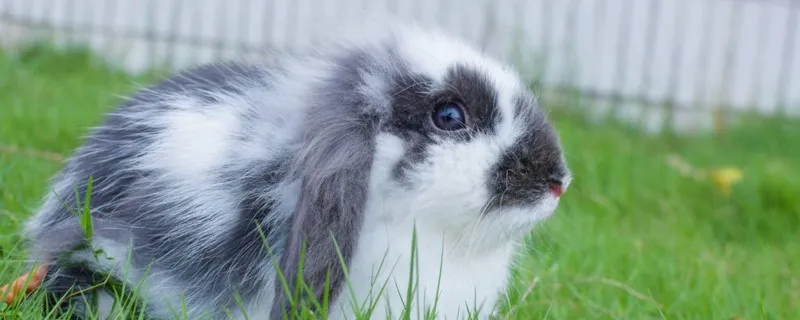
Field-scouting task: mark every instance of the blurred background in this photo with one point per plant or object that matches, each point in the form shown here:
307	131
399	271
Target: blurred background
679	119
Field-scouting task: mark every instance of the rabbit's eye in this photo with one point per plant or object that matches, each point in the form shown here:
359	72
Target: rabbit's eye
449	117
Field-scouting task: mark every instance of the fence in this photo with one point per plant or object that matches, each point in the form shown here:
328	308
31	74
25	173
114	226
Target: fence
689	55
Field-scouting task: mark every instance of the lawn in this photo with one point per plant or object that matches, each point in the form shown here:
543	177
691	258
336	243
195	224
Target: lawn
633	239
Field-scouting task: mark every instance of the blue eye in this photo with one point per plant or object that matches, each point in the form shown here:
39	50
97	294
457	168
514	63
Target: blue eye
449	117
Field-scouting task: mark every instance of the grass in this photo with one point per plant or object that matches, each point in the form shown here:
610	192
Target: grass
633	238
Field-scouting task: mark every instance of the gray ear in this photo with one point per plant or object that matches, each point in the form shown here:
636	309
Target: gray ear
333	166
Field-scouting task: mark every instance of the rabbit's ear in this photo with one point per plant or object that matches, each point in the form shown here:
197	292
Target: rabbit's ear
333	167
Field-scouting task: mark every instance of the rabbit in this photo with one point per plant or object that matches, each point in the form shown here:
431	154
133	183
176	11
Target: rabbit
208	188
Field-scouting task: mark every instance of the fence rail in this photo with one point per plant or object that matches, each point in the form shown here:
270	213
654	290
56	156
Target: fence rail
690	55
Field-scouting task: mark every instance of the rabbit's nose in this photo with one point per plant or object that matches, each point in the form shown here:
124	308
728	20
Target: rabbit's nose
557	186
556	189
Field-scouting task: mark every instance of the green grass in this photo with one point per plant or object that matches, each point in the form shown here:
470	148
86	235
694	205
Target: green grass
633	239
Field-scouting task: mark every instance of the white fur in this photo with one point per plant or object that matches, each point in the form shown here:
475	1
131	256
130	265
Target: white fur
193	143
473	249
105	305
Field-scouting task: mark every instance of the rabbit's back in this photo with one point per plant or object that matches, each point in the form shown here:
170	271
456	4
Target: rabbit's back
181	173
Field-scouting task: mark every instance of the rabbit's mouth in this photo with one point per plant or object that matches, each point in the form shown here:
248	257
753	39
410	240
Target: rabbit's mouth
544	207
503	225
522	216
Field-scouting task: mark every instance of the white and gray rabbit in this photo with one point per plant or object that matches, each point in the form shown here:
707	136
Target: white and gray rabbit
363	142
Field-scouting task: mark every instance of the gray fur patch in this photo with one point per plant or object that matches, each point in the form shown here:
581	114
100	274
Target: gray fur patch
206	81
525	171
414	99
334	165
472	89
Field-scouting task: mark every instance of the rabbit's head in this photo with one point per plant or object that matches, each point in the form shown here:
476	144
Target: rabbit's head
463	145
418	126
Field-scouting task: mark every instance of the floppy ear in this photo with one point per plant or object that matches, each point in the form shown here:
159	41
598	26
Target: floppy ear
333	167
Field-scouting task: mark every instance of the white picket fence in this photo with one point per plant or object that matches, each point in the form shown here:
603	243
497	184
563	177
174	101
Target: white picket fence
697	54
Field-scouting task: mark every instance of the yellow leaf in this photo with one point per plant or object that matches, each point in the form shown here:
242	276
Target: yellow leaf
724	178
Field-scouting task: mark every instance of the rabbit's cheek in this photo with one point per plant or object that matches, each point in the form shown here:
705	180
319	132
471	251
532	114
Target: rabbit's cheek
449	185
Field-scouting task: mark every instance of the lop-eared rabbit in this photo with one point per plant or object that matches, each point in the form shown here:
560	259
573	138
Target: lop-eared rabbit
209	184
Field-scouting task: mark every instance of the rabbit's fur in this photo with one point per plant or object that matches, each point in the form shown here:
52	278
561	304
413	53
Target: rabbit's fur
192	175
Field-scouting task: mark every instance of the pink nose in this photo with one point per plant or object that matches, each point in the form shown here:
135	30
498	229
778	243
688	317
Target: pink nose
557	190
